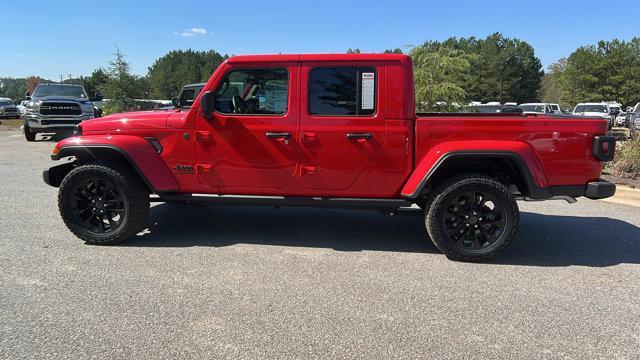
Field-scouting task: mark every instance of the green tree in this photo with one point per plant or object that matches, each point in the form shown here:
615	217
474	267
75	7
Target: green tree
608	71
16	88
171	72
439	74
393	51
91	83
120	87
553	84
13	88
504	69
353	51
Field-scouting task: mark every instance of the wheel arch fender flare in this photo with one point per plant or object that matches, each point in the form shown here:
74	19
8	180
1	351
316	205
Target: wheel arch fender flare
135	151
518	153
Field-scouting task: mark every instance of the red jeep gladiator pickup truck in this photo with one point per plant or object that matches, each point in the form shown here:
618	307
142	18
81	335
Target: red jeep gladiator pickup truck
334	131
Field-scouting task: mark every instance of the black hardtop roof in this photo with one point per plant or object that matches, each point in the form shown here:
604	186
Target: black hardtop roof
60	84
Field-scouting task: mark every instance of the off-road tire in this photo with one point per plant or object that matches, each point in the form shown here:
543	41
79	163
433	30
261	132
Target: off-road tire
455	188
134	194
28	134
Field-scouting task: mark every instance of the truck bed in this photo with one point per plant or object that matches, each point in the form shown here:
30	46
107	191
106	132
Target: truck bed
560	144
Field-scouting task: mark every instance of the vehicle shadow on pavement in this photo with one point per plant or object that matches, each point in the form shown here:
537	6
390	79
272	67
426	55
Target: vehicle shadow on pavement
54	137
545	240
175	225
554	240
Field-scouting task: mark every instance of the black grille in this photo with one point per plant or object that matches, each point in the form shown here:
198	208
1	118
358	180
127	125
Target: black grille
54	108
60	122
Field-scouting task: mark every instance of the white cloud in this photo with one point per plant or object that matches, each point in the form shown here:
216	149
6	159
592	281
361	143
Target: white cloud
198	31
192	32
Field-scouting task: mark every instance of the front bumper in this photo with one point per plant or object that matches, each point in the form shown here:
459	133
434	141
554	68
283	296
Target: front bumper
54	175
10	114
46	122
600	189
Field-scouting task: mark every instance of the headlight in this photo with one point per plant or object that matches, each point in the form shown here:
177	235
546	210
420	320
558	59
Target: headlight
87	108
33	106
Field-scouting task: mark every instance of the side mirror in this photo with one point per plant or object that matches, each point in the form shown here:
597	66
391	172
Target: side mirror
175	102
208	104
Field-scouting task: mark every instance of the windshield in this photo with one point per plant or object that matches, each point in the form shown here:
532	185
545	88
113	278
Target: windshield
5	103
487	109
532	108
188	96
60	90
590	108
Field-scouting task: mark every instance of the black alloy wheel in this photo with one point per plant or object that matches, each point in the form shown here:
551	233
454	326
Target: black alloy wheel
98	206
103	203
471	217
474	220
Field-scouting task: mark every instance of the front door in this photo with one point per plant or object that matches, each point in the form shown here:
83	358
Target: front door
248	145
342	127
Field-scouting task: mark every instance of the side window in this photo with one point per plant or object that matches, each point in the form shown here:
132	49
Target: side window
254	91
342	91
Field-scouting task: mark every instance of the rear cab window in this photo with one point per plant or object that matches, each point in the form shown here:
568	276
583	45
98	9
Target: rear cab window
342	91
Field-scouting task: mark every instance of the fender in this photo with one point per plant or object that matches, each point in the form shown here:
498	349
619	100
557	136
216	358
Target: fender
522	155
140	154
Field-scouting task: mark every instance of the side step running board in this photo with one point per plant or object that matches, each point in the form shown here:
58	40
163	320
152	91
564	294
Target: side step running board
340	203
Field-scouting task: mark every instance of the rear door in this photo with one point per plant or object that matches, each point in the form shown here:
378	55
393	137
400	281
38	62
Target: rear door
342	127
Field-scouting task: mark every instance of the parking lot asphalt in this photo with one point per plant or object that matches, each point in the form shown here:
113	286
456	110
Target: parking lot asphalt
252	282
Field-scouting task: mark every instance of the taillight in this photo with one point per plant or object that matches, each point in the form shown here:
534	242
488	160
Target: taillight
604	147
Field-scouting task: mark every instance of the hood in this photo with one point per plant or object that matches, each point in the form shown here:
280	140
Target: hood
140	120
60	98
600	114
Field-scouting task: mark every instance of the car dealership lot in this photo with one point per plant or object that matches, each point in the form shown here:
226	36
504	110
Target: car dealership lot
254	282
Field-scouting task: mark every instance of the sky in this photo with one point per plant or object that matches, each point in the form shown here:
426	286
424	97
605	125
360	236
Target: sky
53	38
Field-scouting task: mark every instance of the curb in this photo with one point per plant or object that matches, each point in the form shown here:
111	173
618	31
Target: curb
626	196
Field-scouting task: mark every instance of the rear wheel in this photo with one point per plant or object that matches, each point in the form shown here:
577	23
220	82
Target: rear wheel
103	204
472	218
28	134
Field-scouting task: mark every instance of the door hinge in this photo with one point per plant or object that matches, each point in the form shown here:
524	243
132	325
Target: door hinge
203	136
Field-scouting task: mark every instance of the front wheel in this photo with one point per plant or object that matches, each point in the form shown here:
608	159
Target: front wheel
103	204
28	134
472	218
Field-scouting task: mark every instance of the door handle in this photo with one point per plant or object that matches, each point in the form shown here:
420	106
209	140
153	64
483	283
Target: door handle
304	170
278	135
359	136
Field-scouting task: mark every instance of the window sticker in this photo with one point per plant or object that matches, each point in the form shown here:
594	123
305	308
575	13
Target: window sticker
368	85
